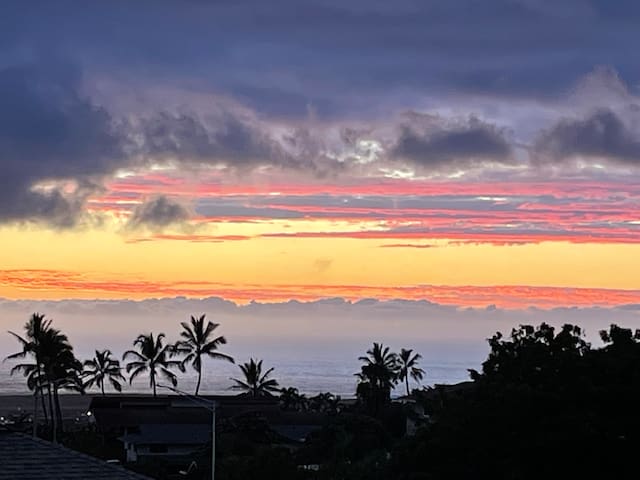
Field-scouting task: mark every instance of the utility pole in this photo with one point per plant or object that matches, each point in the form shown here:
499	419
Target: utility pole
208	405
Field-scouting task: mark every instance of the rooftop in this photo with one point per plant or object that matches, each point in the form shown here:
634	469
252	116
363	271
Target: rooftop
28	458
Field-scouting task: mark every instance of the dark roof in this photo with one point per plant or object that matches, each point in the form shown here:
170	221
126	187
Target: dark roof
197	434
121	411
27	458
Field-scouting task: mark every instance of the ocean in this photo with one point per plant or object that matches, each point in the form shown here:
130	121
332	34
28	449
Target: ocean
309	376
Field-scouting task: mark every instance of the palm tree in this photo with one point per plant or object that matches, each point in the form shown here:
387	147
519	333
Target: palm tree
100	368
34	328
255	383
198	342
409	367
54	365
153	357
377	376
63	373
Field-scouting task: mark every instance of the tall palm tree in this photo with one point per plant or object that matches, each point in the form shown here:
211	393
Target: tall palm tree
30	343
198	343
153	357
102	368
409	367
60	369
64	373
255	383
377	376
54	365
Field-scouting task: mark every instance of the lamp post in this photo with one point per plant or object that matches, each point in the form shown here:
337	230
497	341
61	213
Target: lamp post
211	406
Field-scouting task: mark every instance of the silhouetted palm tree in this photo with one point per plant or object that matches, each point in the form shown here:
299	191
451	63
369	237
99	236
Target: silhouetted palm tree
255	383
380	366
153	357
100	368
30	344
198	343
63	371
377	376
55	366
409	367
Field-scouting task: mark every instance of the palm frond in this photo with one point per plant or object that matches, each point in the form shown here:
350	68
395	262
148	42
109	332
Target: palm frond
139	370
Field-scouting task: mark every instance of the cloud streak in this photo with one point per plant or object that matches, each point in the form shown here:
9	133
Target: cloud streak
68	284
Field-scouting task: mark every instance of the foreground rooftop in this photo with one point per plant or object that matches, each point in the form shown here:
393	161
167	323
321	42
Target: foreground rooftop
27	458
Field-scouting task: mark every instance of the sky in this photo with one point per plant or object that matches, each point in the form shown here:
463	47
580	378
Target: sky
480	156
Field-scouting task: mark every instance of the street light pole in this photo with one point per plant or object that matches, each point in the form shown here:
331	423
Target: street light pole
211	406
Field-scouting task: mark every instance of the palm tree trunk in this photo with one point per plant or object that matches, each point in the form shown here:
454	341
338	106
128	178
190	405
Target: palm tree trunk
56	401
54	427
34	418
153	382
198	384
102	387
406	379
44	406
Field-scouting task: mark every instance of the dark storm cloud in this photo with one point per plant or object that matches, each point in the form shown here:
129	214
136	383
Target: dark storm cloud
48	131
602	134
307	61
440	144
157	213
284	55
233	140
225	139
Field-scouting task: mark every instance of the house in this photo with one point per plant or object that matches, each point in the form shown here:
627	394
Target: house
144	443
27	458
173	429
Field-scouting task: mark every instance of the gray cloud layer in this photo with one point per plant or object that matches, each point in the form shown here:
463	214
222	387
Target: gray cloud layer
49	131
301	73
602	134
295	328
157	213
442	144
283	55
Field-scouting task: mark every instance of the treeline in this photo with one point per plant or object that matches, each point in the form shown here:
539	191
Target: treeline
49	364
546	404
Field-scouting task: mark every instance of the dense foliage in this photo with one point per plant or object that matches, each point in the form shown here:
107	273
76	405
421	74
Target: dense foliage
546	405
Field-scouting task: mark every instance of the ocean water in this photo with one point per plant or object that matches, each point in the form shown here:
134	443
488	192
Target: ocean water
310	376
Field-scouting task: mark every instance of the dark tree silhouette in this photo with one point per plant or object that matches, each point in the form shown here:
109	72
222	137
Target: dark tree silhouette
102	368
541	391
30	344
54	365
198	343
377	377
292	399
152	357
255	383
408	367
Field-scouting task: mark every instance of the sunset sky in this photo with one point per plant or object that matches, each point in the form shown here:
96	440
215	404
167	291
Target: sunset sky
270	151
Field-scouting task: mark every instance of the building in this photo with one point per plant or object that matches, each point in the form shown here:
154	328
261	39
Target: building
173	430
27	458
145	443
